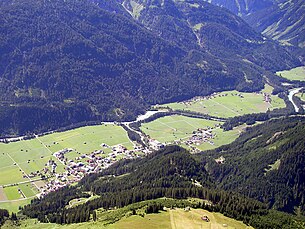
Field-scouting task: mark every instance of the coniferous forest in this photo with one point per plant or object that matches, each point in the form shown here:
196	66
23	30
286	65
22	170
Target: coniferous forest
244	187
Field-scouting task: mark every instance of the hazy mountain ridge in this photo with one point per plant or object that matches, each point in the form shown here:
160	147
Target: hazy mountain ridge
243	7
202	26
280	20
284	21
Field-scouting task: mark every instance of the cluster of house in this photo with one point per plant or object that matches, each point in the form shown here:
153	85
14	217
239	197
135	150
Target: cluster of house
155	145
77	168
200	136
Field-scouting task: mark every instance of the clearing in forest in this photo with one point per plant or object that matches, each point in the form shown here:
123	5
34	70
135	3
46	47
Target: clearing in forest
230	103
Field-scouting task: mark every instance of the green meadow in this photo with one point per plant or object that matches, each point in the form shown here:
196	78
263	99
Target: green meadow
293	74
18	159
173	128
301	96
230	104
221	138
12	193
13	206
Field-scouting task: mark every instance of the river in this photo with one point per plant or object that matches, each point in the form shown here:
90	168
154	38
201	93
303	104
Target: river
292	92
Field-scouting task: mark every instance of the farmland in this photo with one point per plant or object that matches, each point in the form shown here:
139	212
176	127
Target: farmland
179	128
293	74
19	160
231	103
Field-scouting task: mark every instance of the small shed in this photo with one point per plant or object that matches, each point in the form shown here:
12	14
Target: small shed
205	218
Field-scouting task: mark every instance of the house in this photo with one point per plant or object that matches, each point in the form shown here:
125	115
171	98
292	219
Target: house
156	145
205	218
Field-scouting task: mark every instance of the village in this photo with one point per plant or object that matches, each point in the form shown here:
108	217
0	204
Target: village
82	165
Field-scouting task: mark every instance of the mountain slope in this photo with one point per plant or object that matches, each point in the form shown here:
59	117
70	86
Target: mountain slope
65	62
208	29
170	173
280	20
243	7
267	163
284	21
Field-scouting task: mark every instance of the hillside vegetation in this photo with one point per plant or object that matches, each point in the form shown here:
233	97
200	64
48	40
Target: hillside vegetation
265	163
280	20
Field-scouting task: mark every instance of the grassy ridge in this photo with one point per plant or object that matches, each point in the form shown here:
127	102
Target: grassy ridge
170	218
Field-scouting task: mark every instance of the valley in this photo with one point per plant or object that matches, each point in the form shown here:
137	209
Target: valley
34	167
152	114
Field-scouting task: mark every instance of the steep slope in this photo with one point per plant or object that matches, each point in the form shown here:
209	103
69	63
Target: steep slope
200	26
280	20
170	173
65	62
243	7
267	163
284	21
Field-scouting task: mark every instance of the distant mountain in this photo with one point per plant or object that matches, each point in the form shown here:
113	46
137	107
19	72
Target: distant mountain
200	26
284	21
278	19
266	163
243	7
66	62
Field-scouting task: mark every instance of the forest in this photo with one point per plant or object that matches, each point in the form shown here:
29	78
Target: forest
265	163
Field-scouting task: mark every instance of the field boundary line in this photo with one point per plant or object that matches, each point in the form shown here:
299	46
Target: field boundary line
225	107
48	150
23	171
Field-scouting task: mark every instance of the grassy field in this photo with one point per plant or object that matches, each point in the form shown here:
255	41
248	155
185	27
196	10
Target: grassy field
293	74
171	219
28	189
301	96
23	157
175	127
222	138
230	104
14	205
12	193
170	128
